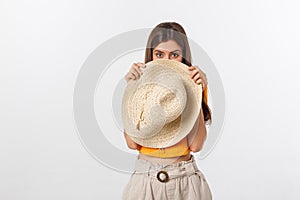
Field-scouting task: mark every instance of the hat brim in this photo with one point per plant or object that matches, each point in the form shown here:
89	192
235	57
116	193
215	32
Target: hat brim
176	130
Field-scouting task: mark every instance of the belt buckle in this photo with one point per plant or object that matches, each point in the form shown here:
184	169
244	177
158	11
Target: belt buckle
162	176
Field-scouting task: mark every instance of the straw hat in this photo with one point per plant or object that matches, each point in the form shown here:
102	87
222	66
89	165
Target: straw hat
160	108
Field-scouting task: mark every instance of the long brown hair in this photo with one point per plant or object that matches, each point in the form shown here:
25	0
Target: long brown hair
173	31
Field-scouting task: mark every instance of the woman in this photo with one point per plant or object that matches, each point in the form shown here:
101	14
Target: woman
169	41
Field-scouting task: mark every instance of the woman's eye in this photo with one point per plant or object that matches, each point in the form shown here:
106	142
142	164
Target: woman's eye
158	55
175	55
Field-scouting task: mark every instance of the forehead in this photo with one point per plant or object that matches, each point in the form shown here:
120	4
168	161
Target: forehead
169	45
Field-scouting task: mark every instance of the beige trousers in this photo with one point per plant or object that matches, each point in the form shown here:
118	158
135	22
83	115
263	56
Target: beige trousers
179	181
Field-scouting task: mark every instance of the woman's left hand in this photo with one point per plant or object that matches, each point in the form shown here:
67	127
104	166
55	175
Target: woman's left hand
198	76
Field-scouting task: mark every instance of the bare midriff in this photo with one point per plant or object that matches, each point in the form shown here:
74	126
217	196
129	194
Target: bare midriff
178	152
170	160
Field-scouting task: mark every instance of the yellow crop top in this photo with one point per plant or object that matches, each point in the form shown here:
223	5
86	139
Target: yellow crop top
179	149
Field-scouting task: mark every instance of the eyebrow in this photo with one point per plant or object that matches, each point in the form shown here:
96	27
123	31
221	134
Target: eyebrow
177	50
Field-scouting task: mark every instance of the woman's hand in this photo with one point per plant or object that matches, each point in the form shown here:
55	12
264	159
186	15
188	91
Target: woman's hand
135	72
130	143
198	76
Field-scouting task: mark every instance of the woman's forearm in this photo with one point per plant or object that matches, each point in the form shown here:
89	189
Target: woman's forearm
196	138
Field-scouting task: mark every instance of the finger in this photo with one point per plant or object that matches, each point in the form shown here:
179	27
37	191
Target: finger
141	64
138	66
196	77
199	81
194	73
135	73
201	72
203	76
130	76
196	68
138	69
191	67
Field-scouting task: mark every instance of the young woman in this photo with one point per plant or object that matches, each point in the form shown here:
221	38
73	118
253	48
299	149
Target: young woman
169	41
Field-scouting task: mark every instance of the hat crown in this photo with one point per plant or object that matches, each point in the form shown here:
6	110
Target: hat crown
156	102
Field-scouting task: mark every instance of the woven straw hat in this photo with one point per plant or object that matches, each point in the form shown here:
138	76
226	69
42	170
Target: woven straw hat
160	108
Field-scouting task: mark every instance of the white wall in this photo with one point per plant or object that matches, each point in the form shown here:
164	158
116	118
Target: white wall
254	45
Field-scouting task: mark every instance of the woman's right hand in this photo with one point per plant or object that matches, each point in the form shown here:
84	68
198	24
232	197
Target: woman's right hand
135	72
130	143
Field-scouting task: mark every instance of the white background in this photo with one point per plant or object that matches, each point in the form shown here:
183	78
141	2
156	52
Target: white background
254	45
